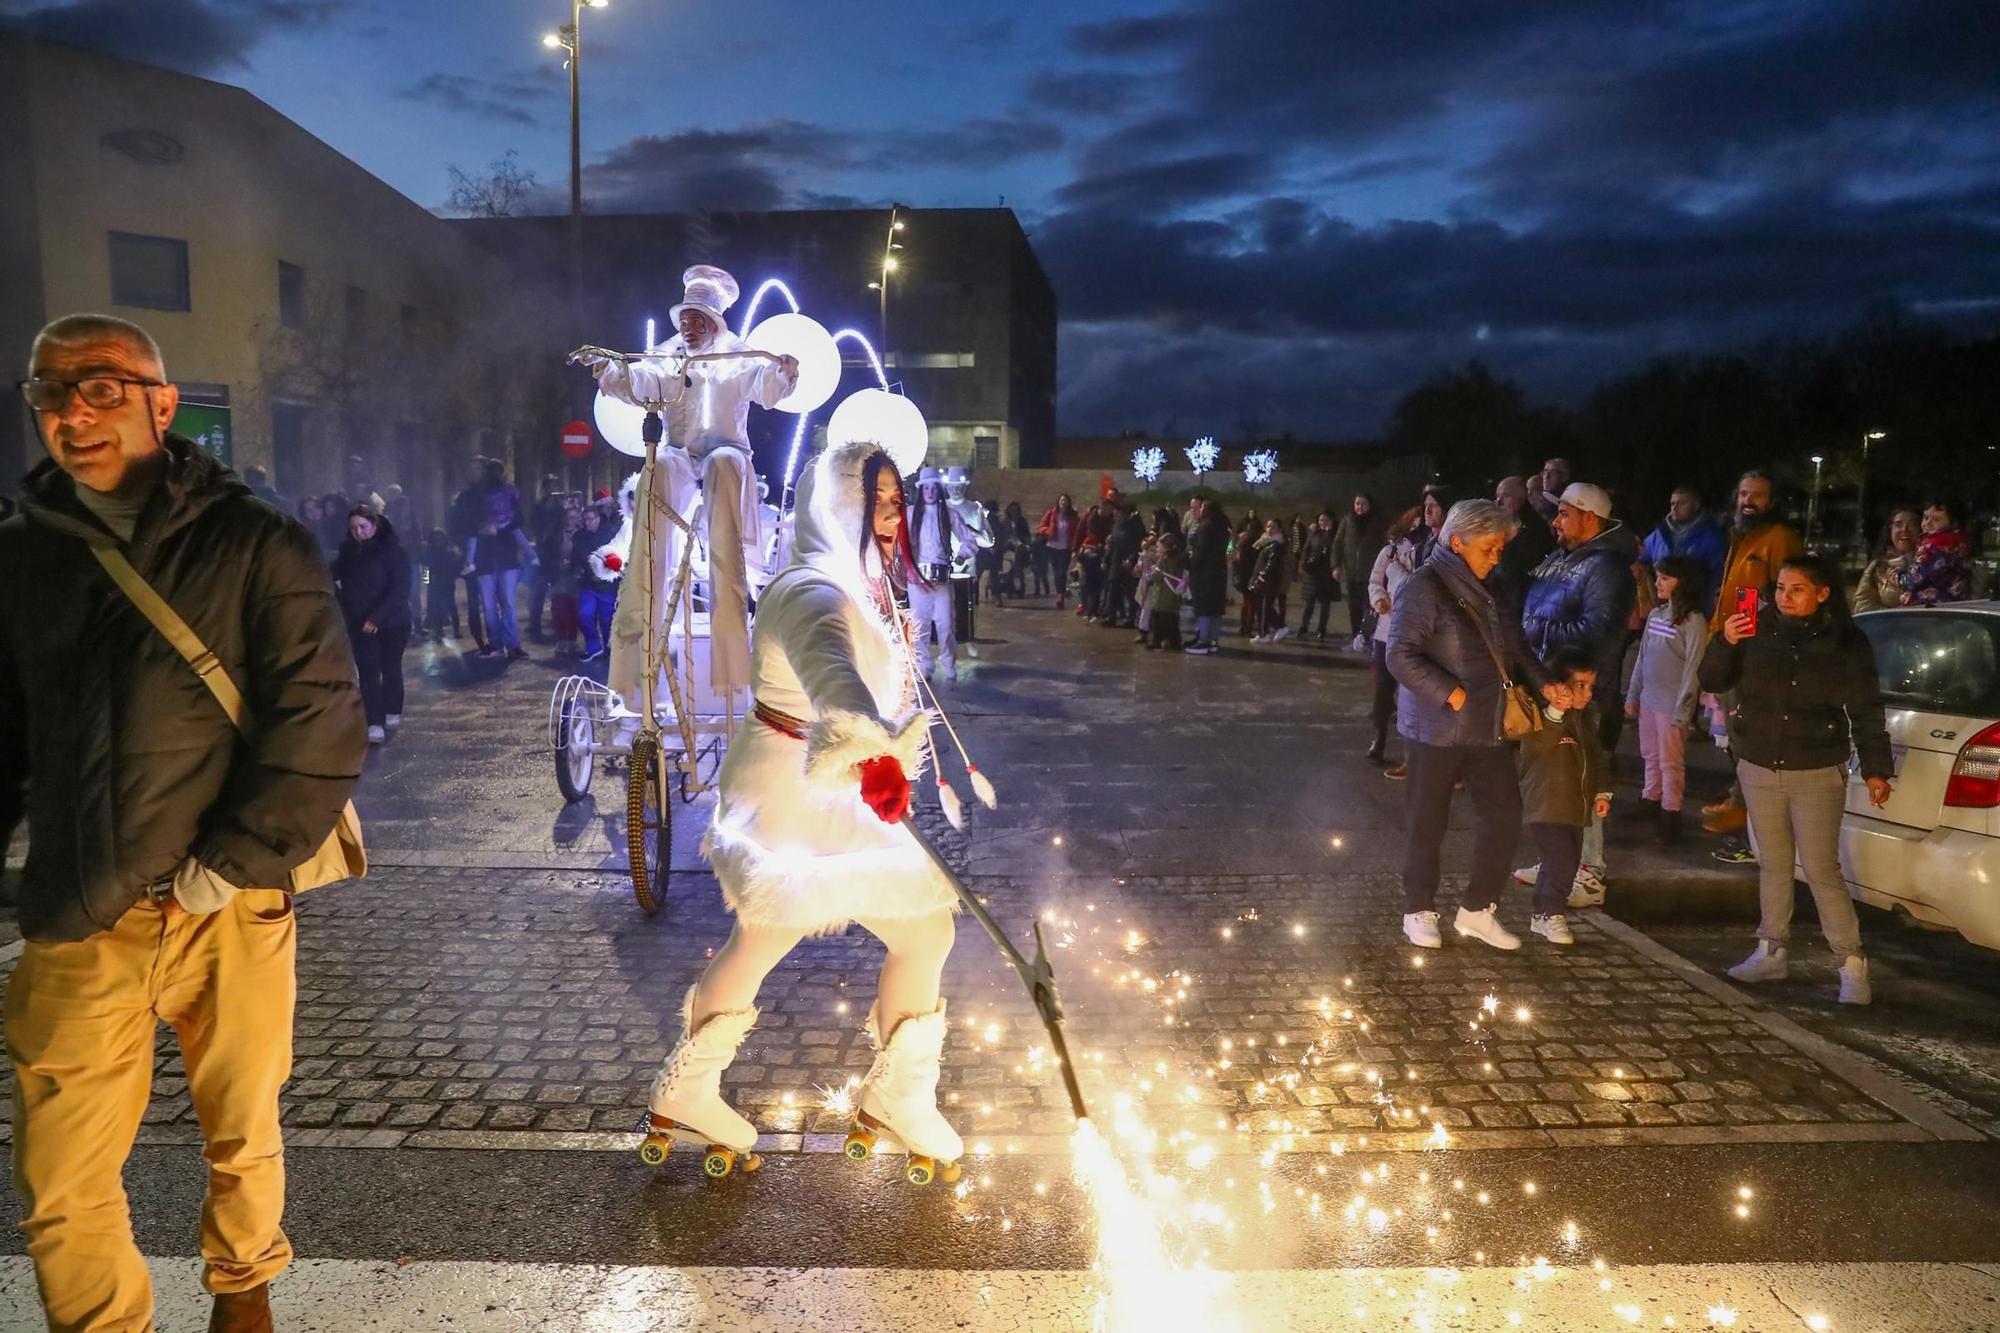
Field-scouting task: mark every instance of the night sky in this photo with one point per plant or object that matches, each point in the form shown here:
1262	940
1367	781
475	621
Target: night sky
1268	213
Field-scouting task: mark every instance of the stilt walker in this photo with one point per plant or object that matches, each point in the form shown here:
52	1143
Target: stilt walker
807	837
707	436
969	518
935	536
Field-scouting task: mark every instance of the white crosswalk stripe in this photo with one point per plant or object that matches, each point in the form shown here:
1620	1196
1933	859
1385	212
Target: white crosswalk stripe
343	1295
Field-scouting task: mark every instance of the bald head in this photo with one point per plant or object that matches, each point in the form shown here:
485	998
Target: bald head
1511	494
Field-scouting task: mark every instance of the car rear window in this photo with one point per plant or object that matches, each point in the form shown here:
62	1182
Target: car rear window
1937	661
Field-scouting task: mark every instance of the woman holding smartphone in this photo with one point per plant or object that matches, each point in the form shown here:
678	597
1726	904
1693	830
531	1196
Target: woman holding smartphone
1806	693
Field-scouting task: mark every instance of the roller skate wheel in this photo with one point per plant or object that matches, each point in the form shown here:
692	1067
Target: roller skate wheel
860	1143
718	1162
950	1172
654	1150
920	1171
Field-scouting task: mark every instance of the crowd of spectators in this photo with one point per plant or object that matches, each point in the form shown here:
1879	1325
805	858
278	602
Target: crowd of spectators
1510	642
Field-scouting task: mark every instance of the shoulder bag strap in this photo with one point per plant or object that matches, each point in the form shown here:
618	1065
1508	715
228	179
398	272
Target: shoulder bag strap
175	630
1492	650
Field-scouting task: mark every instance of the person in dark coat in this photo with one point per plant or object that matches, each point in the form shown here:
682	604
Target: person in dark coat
157	827
1806	695
1361	533
1208	576
1527	548
1121	603
372	572
1564	786
1316	576
463	522
1450	709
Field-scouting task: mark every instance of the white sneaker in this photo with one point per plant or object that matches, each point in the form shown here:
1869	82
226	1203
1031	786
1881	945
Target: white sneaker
1552	928
1854	988
1421	928
1587	889
1282	632
1485	926
393	720
1528	874
1768	964
1360	643
376	735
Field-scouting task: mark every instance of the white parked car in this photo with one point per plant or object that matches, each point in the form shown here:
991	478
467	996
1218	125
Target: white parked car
1934	850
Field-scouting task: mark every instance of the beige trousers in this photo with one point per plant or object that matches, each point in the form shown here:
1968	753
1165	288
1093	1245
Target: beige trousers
79	1025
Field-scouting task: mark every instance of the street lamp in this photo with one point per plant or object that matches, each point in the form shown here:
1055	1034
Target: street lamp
1812	506
1861	493
890	245
569	39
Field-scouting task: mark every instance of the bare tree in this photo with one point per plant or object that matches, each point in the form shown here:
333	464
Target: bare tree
497	194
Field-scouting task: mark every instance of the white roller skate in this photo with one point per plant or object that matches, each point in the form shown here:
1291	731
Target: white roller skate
898	1107
686	1102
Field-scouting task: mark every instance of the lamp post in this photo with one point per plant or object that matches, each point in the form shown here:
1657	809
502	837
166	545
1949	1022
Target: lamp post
1812	506
569	39
890	245
1861	493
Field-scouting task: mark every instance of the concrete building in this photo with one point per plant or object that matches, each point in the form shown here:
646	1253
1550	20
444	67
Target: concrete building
971	317
289	289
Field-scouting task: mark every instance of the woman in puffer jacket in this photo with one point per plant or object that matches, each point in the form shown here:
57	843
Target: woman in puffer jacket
1807	695
1451	711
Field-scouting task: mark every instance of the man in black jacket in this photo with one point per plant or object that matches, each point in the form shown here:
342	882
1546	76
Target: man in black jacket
155	831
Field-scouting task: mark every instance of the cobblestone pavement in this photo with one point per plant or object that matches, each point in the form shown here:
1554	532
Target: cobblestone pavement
1214	882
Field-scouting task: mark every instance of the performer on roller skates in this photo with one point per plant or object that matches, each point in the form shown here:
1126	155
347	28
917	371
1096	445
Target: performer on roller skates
806	834
707	427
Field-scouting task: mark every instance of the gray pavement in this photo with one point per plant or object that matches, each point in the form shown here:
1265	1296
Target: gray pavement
1213	863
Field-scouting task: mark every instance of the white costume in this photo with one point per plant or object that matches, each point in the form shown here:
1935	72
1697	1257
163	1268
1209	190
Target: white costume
707	428
969	517
792	843
937	533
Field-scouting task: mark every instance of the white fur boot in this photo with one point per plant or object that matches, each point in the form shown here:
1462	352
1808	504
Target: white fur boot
687	1093
899	1096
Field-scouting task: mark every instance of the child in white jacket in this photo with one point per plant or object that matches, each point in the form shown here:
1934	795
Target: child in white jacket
1665	688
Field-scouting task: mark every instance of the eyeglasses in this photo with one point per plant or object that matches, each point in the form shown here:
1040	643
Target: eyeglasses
102	392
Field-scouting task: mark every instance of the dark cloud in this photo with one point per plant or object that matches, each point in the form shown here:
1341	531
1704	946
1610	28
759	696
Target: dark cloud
1135	36
787	163
1586	181
511	99
1085	92
196	36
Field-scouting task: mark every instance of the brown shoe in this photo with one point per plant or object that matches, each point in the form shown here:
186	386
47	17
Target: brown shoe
242	1311
1726	803
1729	819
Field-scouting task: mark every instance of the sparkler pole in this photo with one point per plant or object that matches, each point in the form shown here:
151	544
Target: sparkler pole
1037	976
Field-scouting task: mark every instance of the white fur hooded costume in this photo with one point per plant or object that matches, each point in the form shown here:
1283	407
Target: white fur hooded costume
792	843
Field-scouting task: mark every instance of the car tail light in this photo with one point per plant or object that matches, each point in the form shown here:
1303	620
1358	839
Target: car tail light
1975	778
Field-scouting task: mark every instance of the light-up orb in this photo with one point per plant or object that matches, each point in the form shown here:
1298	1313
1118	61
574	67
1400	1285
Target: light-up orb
620	423
806	338
884	418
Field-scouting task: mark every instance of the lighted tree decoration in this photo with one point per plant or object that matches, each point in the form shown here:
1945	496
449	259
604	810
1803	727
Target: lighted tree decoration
1148	462
1203	454
1260	467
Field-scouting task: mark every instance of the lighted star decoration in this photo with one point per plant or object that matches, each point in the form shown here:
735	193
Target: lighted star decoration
1149	462
1260	467
1203	454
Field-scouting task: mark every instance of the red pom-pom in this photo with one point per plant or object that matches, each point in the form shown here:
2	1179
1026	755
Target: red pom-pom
613	563
884	788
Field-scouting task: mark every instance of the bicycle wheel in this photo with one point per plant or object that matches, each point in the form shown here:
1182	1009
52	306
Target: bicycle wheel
648	826
576	760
